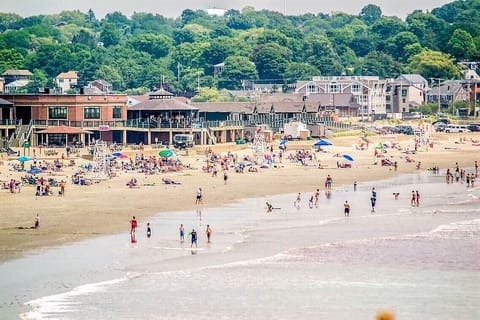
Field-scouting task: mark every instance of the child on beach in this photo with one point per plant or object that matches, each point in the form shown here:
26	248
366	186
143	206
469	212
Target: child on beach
149	231
37	221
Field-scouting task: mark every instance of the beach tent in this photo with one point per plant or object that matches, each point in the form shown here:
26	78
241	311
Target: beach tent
24	158
322	143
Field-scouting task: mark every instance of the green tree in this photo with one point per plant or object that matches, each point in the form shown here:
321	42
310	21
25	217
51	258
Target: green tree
237	69
433	64
461	45
110	74
86	38
318	51
271	61
370	14
300	71
109	35
7	20
157	45
10	59
206	94
397	44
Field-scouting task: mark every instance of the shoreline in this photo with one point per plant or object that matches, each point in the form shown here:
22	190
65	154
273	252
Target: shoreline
107	207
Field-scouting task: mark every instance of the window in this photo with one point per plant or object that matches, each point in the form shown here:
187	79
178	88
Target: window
57	113
355	88
117	112
312	88
404	92
91	113
334	87
404	100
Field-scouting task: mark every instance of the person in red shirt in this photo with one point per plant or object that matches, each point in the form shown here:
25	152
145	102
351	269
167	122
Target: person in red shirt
133	225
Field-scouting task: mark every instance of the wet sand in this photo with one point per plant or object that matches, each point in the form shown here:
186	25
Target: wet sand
108	206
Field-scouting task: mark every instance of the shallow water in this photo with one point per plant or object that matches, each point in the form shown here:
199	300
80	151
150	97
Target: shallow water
422	263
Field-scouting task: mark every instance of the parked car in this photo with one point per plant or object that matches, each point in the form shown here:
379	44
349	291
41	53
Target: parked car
475	127
408	130
456	128
441	120
440	126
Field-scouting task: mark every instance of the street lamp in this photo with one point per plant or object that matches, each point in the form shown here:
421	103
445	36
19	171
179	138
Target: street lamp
438	96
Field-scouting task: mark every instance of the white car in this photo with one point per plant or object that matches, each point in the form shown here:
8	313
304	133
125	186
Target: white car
456	128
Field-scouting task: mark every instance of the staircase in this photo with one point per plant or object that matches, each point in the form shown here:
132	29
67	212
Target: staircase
20	136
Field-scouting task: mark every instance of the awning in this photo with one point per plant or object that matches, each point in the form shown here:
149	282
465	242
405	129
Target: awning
64	130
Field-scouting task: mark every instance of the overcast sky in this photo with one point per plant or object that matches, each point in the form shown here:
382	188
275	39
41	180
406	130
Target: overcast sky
399	8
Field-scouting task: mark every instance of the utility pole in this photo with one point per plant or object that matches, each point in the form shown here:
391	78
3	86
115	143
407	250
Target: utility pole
438	95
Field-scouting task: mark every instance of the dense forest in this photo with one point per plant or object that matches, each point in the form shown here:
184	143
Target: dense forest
135	53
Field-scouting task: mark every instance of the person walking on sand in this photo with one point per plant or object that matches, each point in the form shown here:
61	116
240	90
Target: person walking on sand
199	196
37	221
193	236
346	209
208	231
225	177
181	229
417	198
329	182
133	225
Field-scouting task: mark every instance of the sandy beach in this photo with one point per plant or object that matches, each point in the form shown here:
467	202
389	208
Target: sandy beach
108	206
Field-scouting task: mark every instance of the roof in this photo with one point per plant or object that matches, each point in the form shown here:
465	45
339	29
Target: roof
161	92
101	81
17	73
17	83
328	99
412	78
163	105
231	107
4	102
68	75
63	129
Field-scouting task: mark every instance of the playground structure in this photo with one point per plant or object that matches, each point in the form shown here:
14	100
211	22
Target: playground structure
259	147
101	159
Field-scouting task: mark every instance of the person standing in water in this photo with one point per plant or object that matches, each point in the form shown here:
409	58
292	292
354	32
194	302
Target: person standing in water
181	229
346	209
373	199
208	231
133	225
193	236
149	231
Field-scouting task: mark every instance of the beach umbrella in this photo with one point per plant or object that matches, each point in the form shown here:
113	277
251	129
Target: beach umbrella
117	154
283	141
380	145
347	157
165	153
322	143
122	156
24	158
34	171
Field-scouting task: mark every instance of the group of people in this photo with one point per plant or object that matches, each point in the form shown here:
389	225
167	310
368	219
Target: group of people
193	234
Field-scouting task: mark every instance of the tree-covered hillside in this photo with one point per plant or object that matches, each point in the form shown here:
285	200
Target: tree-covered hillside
134	53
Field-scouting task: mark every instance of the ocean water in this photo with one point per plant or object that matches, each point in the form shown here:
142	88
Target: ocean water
421	263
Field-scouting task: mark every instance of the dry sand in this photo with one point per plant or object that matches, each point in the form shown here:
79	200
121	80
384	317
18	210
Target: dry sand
108	206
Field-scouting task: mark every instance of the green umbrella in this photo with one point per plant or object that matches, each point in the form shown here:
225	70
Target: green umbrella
380	145
165	153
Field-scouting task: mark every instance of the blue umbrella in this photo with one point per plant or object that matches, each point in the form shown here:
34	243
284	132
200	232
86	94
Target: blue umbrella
283	141
322	142
24	158
347	157
117	154
34	171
